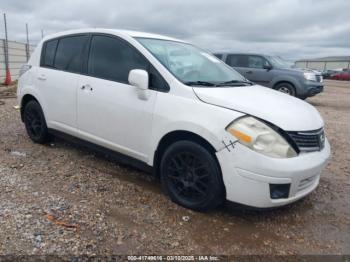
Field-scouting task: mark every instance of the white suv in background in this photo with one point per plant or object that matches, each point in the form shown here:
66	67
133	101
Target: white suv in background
166	105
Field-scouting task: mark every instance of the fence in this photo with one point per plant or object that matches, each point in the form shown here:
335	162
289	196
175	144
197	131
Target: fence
18	54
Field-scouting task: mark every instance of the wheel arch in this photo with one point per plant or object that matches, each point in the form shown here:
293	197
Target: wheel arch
25	99
283	81
175	136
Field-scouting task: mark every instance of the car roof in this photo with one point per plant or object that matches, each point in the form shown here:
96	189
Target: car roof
117	32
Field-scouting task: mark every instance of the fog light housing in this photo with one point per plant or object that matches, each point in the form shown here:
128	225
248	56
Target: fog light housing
278	191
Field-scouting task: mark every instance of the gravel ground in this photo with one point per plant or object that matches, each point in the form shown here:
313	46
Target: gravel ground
63	199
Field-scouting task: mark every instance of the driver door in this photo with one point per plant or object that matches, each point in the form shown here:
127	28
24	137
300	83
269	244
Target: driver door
256	71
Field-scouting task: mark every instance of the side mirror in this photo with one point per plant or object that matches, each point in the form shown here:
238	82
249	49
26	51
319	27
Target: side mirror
139	78
267	67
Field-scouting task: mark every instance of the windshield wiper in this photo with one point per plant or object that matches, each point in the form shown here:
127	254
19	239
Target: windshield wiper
199	83
235	83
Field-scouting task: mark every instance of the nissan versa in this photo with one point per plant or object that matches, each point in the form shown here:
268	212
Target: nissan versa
166	105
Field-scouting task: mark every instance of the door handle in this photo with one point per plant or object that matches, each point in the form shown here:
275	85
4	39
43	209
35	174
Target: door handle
249	72
42	77
87	87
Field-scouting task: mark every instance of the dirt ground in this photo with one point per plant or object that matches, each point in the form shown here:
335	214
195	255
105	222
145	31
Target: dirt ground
63	199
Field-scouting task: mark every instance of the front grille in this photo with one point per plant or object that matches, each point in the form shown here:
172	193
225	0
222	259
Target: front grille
319	78
308	141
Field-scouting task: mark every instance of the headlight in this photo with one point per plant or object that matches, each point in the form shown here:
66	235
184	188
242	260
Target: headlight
260	137
310	76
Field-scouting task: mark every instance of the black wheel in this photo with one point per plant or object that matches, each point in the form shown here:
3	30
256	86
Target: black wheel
35	123
191	176
286	88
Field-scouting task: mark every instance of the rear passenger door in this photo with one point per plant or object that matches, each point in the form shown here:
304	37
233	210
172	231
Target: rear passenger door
57	80
109	111
239	63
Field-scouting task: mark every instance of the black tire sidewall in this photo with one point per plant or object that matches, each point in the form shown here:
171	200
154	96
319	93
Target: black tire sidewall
216	189
44	135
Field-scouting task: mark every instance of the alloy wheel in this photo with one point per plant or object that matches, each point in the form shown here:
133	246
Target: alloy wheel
189	177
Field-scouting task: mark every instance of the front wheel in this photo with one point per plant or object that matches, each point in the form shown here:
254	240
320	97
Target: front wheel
191	176
286	88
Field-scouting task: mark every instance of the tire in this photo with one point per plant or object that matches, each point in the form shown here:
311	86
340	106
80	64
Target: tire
191	176
35	123
286	88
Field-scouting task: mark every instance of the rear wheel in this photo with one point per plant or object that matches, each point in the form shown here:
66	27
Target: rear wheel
35	123
286	88
191	176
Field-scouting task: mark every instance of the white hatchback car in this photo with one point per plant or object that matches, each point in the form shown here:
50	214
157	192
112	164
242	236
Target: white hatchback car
166	105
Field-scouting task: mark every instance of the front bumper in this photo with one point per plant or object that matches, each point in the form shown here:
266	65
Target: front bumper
311	88
315	90
247	175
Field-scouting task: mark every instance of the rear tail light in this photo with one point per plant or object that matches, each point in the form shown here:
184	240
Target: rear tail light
24	69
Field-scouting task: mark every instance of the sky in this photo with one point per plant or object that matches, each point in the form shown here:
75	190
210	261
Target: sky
292	29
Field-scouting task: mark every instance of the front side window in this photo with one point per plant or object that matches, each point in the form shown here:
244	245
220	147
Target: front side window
156	81
257	62
49	53
112	59
190	64
68	54
278	62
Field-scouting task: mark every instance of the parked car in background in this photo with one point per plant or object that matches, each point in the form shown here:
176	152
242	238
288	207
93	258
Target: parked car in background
273	72
344	75
168	106
326	74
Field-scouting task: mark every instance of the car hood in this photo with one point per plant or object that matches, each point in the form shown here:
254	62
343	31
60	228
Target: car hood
302	70
284	111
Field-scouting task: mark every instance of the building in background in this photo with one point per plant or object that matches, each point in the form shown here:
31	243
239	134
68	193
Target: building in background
325	63
17	54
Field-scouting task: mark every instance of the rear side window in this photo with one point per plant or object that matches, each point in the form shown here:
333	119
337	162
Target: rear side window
112	59
49	53
237	60
69	53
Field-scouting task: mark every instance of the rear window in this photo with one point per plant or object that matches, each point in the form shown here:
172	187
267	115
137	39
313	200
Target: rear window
69	52
49	53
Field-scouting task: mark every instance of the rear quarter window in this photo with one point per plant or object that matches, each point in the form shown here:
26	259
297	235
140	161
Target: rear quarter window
48	54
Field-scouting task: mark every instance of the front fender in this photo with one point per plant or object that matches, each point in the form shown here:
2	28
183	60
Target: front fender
285	78
205	120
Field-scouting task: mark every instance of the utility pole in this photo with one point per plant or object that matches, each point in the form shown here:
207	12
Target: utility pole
42	33
6	53
27	45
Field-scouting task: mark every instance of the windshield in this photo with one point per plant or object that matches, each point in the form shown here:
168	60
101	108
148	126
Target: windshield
278	62
191	65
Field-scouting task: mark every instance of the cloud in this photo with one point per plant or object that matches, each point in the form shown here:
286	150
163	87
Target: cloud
289	28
